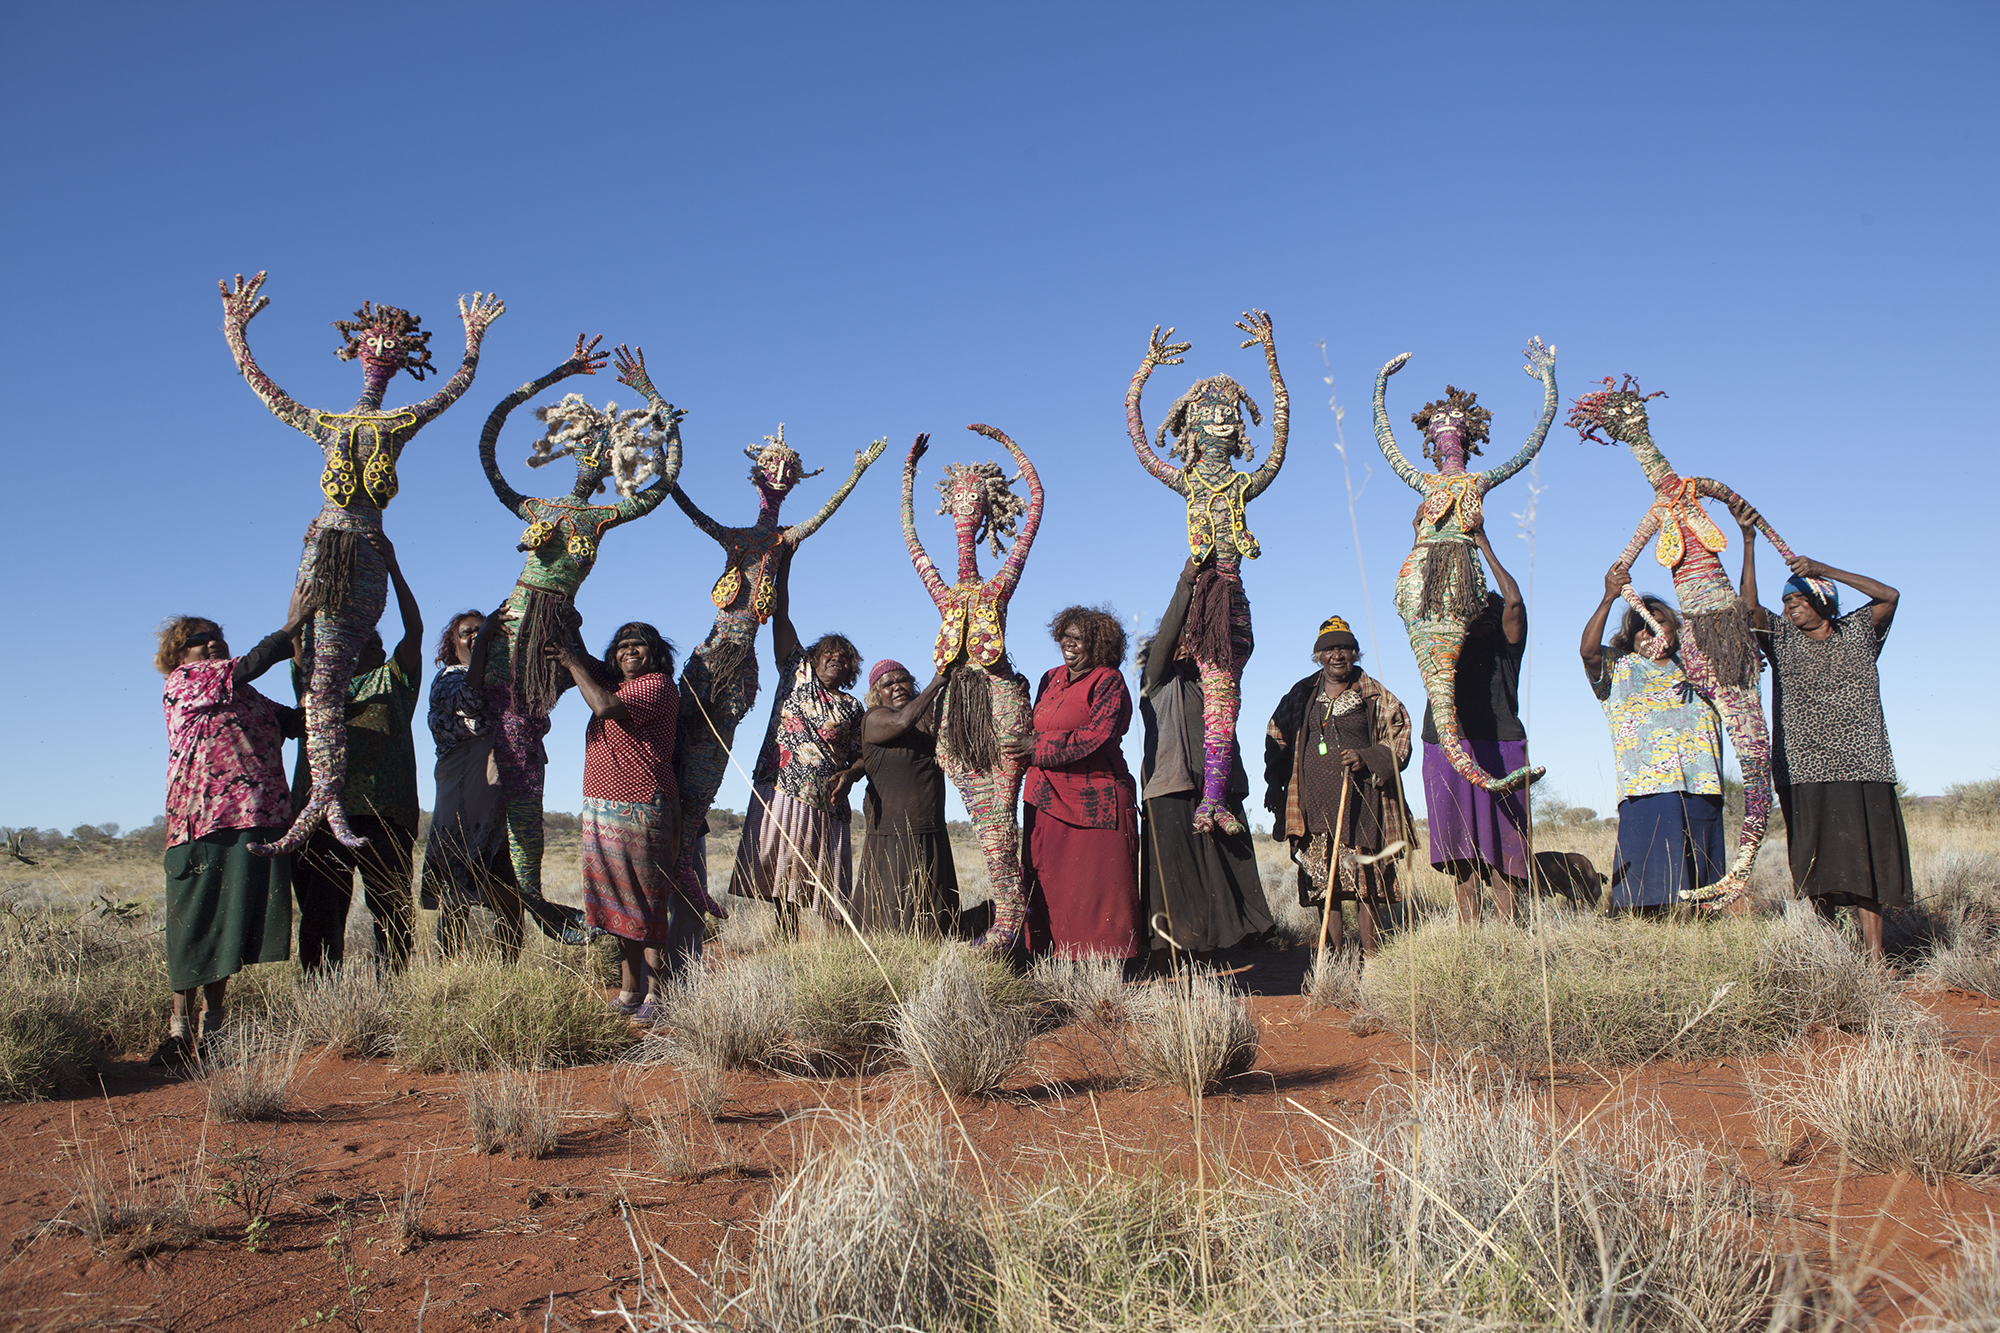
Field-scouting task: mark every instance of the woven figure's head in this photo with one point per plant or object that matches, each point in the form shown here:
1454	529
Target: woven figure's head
775	467
980	496
1454	426
1620	413
1207	421
387	340
624	448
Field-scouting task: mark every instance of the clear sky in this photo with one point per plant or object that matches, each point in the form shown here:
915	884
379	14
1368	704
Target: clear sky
866	220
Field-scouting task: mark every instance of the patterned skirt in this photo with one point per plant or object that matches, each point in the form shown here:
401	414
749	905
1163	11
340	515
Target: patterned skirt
629	851
792	852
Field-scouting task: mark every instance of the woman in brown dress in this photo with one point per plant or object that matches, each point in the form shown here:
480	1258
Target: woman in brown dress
908	880
1339	728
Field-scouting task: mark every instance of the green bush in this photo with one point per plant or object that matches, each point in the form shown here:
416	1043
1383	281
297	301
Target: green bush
74	992
540	1013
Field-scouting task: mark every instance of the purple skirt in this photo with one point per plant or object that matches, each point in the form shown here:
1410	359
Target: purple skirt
1470	825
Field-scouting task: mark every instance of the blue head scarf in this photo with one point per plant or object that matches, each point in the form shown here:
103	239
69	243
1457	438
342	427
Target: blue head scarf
1820	591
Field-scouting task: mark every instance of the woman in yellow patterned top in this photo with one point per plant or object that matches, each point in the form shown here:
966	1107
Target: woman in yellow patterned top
1667	741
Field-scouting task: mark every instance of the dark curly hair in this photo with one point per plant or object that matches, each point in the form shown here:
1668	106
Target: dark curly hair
412	343
1103	636
1618	412
1628	629
850	670
173	634
657	644
1478	421
447	649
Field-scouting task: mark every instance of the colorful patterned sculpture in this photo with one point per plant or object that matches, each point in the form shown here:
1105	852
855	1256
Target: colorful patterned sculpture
983	712
1441	587
1716	647
562	540
349	585
719	683
1208	433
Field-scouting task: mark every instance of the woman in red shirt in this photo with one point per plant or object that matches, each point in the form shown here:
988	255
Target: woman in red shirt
638	880
1080	803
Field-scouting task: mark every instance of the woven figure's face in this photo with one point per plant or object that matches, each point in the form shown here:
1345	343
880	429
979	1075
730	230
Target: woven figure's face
1619	413
593	461
775	469
384	351
967	498
1215	428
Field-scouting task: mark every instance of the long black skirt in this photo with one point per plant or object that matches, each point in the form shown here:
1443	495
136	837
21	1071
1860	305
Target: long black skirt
908	881
1847	843
1206	884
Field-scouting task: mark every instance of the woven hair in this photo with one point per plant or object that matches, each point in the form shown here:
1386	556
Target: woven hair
1619	412
1002	509
412	343
1478	421
773	454
1216	388
637	438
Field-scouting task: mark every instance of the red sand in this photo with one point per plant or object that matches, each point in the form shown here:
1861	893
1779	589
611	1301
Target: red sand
514	1234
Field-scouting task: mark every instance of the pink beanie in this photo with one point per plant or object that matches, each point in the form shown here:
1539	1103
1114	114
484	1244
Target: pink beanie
883	668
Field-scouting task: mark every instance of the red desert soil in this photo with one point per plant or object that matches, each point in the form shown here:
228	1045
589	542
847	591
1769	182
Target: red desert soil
514	1235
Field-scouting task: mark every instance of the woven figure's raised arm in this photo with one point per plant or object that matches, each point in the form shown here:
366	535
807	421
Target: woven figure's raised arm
708	525
1715	490
1649	526
862	458
632	371
934	583
1541	365
1159	352
240	305
478	315
1258	325
1009	574
580	362
1386	438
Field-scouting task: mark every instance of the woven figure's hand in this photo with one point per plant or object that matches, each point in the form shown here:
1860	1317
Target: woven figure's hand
241	303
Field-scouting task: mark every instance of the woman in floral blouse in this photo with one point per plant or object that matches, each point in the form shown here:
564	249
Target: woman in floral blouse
797	848
1667	741
226	789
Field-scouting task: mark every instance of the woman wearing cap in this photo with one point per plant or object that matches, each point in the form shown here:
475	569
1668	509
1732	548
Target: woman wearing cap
637	876
908	880
1667	743
1831	761
1339	732
1080	821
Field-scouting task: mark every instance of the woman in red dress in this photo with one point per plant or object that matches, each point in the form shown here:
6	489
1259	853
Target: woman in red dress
1080	803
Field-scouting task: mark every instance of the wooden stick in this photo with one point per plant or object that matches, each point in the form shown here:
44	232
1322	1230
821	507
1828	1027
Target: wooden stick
1332	903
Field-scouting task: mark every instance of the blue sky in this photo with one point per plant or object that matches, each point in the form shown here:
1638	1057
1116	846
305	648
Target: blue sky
869	221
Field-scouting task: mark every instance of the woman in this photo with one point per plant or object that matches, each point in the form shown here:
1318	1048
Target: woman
1833	768
1339	732
1203	888
465	858
634	868
1477	835
796	849
226	790
1667	741
379	797
908	880
1079	800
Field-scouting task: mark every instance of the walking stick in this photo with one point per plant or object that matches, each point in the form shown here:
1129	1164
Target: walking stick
1332	903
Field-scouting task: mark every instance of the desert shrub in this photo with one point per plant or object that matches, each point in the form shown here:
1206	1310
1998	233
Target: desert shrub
74	991
1598	990
350	1010
1902	1105
44	1043
514	1111
1191	1031
751	925
1080	989
1969	1300
843	1001
874	1231
249	1074
1334	980
480	1014
1972	802
953	1030
730	1015
1968	956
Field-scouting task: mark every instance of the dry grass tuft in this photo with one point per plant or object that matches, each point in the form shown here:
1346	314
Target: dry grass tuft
75	989
349	1010
1081	990
407	1216
250	1074
955	1032
1334	981
513	1111
730	1015
468	1014
1895	1104
1191	1031
1969	1300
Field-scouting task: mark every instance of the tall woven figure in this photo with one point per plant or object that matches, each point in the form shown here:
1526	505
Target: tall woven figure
1716	647
562	540
719	682
983	713
1441	587
1207	424
347	581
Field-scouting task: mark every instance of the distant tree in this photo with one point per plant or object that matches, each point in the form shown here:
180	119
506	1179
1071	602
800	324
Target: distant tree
151	839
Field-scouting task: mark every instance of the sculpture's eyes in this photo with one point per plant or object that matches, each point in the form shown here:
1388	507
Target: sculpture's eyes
1457	415
381	344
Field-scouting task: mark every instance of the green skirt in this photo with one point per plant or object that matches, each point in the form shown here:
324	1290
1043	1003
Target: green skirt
226	909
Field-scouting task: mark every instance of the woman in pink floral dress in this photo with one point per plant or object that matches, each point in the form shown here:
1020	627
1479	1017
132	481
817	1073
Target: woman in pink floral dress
226	789
797	844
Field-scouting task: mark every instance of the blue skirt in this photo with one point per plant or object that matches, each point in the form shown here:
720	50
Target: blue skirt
1667	842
